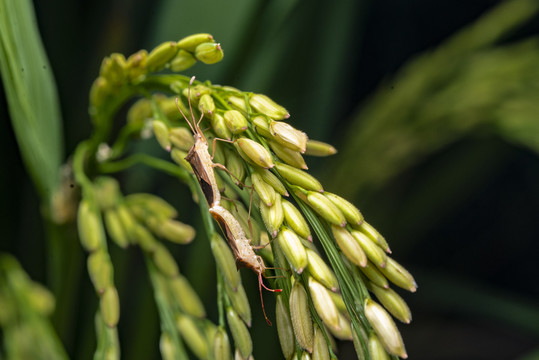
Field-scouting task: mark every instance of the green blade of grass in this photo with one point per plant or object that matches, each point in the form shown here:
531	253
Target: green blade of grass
31	94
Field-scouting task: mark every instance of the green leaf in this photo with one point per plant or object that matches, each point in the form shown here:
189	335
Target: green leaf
518	120
25	307
31	94
466	86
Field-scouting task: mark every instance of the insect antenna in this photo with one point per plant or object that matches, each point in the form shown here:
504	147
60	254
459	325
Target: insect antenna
193	123
189	101
185	117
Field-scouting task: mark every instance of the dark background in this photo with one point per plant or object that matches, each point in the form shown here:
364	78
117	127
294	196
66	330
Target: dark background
463	218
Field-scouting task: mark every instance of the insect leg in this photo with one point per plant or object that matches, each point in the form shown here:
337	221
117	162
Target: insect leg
238	181
260	286
259	247
213	144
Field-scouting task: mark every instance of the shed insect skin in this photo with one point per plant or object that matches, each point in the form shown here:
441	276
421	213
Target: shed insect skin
200	160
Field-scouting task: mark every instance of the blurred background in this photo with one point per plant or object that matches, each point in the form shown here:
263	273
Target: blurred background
433	106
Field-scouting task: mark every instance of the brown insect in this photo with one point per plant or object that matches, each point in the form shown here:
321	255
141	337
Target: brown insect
202	164
203	167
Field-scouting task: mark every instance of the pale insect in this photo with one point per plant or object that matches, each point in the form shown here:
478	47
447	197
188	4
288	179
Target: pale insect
202	164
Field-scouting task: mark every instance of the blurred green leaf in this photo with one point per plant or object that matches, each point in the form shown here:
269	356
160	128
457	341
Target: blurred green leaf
31	94
517	119
24	308
532	355
464	86
177	19
297	52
